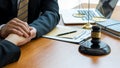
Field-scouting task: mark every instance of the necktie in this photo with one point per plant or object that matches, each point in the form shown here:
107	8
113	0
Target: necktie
23	10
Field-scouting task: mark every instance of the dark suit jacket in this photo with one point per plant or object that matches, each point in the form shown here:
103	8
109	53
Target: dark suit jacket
42	14
8	53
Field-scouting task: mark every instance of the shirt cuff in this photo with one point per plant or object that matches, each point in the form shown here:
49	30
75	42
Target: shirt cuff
0	30
1	26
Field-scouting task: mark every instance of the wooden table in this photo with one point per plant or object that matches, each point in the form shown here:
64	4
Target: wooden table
47	53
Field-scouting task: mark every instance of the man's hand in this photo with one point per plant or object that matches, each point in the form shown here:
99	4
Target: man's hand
15	39
20	40
32	35
15	26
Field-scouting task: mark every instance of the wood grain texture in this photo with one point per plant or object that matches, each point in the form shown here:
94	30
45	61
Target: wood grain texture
47	53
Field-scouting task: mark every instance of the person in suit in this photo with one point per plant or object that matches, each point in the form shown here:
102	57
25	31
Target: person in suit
9	50
43	16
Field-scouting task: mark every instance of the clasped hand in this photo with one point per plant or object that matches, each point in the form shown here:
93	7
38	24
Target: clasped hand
17	31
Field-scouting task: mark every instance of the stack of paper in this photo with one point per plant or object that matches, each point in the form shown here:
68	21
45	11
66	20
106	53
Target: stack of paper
76	36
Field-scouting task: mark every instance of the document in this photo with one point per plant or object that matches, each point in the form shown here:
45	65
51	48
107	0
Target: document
111	27
69	34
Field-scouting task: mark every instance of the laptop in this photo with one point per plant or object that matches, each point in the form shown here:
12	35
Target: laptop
102	12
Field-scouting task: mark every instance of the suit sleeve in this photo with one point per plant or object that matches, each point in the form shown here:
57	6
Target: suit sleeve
48	19
8	53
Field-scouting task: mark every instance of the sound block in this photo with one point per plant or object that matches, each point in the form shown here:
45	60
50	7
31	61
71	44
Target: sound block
86	48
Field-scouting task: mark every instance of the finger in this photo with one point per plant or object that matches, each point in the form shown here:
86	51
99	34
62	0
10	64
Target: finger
23	25
32	33
16	32
20	21
17	26
21	30
30	28
15	22
26	29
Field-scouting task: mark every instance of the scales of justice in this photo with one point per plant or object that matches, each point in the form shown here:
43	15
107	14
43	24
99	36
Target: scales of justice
80	15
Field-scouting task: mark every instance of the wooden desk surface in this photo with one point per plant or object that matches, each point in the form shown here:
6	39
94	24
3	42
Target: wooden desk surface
47	53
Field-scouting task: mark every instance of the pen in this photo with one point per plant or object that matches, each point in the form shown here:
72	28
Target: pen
67	33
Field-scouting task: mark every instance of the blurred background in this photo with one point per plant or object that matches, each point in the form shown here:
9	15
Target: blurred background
68	4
